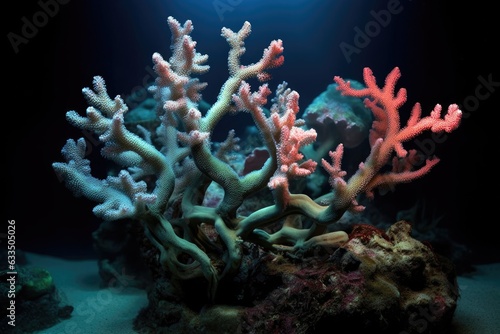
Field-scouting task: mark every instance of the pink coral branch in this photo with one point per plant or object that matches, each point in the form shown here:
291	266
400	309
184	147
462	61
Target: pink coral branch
334	169
386	135
253	102
185	59
272	56
385	105
291	140
402	172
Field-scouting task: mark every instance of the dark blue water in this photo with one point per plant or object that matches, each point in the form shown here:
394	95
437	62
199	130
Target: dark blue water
444	53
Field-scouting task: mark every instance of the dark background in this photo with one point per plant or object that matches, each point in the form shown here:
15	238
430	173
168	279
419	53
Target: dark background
445	50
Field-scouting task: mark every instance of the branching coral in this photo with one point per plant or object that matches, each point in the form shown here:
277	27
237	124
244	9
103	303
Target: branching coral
178	168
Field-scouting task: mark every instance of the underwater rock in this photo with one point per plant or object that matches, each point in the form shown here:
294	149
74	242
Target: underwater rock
117	245
336	119
38	304
378	281
144	115
36	282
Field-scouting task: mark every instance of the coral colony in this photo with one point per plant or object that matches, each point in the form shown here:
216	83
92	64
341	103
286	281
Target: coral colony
166	173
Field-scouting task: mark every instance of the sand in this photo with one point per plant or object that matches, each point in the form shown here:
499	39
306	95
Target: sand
112	309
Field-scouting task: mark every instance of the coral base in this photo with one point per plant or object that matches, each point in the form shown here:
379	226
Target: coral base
382	282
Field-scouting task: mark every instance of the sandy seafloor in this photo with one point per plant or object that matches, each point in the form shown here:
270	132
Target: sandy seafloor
113	309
